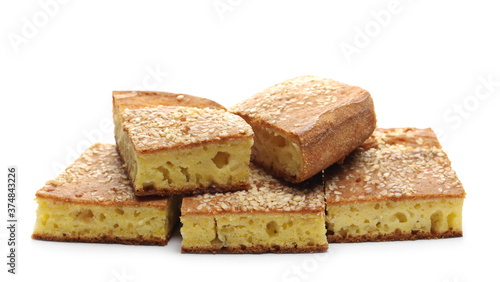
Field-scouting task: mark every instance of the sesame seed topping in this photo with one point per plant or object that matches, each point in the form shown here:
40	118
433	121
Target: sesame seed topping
384	168
152	129
97	176
266	194
280	104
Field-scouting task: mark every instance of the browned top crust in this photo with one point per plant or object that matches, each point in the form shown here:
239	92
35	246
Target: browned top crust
394	164
151	99
296	105
97	177
164	128
266	194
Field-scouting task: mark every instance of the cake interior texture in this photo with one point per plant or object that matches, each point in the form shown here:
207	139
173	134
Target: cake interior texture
276	150
59	220
185	163
393	220
253	232
186	169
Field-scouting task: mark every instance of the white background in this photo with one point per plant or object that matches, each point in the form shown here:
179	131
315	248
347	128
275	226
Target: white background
426	64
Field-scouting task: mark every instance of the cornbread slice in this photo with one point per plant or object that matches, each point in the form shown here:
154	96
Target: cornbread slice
93	201
184	150
398	186
273	216
305	124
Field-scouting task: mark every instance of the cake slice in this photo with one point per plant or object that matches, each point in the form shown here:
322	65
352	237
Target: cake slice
132	100
305	124
398	186
93	201
272	216
223	156
184	150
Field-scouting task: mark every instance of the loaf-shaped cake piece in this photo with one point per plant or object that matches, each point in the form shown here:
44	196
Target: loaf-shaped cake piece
399	185
305	124
93	201
172	149
272	216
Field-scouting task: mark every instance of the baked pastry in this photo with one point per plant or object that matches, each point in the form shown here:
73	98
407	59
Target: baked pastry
184	150
273	216
305	124
93	201
398	186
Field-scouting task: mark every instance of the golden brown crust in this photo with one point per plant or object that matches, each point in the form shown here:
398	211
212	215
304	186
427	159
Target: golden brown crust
266	195
105	239
97	177
328	118
340	139
415	235
150	99
394	164
255	249
165	128
219	188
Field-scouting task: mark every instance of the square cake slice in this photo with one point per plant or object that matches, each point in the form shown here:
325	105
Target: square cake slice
131	100
272	216
93	201
305	124
184	150
398	186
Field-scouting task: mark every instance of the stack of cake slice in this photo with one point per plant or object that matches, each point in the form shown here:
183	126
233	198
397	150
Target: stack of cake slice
290	169
170	144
